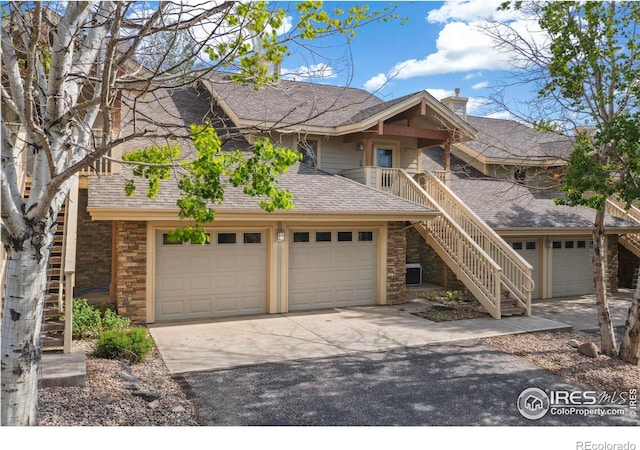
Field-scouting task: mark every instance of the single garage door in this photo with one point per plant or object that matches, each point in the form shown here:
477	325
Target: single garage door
332	268
572	268
530	251
227	277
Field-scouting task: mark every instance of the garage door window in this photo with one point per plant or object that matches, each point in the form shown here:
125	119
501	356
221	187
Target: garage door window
568	244
301	236
556	244
323	236
345	236
167	241
365	236
531	245
582	244
226	238
252	238
516	245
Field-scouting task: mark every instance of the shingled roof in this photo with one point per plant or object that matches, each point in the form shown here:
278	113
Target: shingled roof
329	109
292	102
502	139
314	192
508	205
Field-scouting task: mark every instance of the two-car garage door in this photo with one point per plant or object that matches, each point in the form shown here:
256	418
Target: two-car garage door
228	276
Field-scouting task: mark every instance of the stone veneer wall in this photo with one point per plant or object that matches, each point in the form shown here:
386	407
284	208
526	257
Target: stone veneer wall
93	250
396	262
433	267
131	291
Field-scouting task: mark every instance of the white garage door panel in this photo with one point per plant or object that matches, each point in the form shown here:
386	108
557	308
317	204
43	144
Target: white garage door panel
572	270
530	251
331	274
206	281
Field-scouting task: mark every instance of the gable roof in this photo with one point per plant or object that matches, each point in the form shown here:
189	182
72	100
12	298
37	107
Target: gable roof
318	108
316	194
507	141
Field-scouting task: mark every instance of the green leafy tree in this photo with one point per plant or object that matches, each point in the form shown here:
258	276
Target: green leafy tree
589	69
65	67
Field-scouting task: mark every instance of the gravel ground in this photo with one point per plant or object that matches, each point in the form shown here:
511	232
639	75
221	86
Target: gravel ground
106	401
551	351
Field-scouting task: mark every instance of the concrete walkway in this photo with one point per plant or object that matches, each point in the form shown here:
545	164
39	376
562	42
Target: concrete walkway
220	344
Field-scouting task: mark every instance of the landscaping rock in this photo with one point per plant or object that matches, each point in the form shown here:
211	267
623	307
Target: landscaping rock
127	376
588	349
132	386
105	401
178	409
154	404
574	343
147	395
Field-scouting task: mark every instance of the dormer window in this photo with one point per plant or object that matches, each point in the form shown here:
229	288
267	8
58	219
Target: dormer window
309	150
519	175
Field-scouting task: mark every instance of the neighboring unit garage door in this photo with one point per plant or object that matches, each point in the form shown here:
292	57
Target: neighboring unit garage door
332	268
530	251
227	277
572	268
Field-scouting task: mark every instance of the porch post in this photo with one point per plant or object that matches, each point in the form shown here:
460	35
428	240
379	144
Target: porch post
368	152
447	157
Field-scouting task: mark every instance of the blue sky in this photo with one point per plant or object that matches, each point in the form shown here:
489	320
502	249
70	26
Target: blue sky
438	49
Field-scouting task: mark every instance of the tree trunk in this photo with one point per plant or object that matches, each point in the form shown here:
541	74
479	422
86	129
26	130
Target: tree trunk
607	336
21	325
630	346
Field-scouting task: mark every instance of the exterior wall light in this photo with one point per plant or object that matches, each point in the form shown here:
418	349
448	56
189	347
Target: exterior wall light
280	236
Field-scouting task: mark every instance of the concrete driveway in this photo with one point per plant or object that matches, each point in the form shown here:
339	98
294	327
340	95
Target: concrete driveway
224	344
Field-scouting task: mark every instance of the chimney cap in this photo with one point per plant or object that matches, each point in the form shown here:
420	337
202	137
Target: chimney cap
457	92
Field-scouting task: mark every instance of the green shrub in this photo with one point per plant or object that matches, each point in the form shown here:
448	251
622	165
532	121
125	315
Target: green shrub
132	344
453	296
86	319
112	321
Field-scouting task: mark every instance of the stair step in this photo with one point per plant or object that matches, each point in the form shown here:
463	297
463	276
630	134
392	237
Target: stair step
52	312
50	298
512	311
52	326
48	342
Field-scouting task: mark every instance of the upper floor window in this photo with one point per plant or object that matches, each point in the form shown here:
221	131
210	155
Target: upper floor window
520	174
309	150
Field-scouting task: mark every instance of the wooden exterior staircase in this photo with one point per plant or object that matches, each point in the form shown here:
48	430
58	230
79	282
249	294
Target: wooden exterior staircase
494	273
616	208
58	295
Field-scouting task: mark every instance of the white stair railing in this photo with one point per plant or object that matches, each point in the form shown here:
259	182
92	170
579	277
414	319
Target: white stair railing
516	271
471	264
616	207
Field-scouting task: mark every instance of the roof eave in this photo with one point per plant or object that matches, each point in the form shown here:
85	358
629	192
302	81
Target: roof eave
154	215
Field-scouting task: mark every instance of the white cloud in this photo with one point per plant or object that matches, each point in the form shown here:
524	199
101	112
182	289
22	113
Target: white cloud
376	83
314	71
470	11
463	44
481	85
460	47
470	76
440	93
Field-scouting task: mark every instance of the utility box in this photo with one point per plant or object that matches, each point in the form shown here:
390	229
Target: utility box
414	274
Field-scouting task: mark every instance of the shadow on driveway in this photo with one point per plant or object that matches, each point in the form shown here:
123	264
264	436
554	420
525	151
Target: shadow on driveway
464	383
